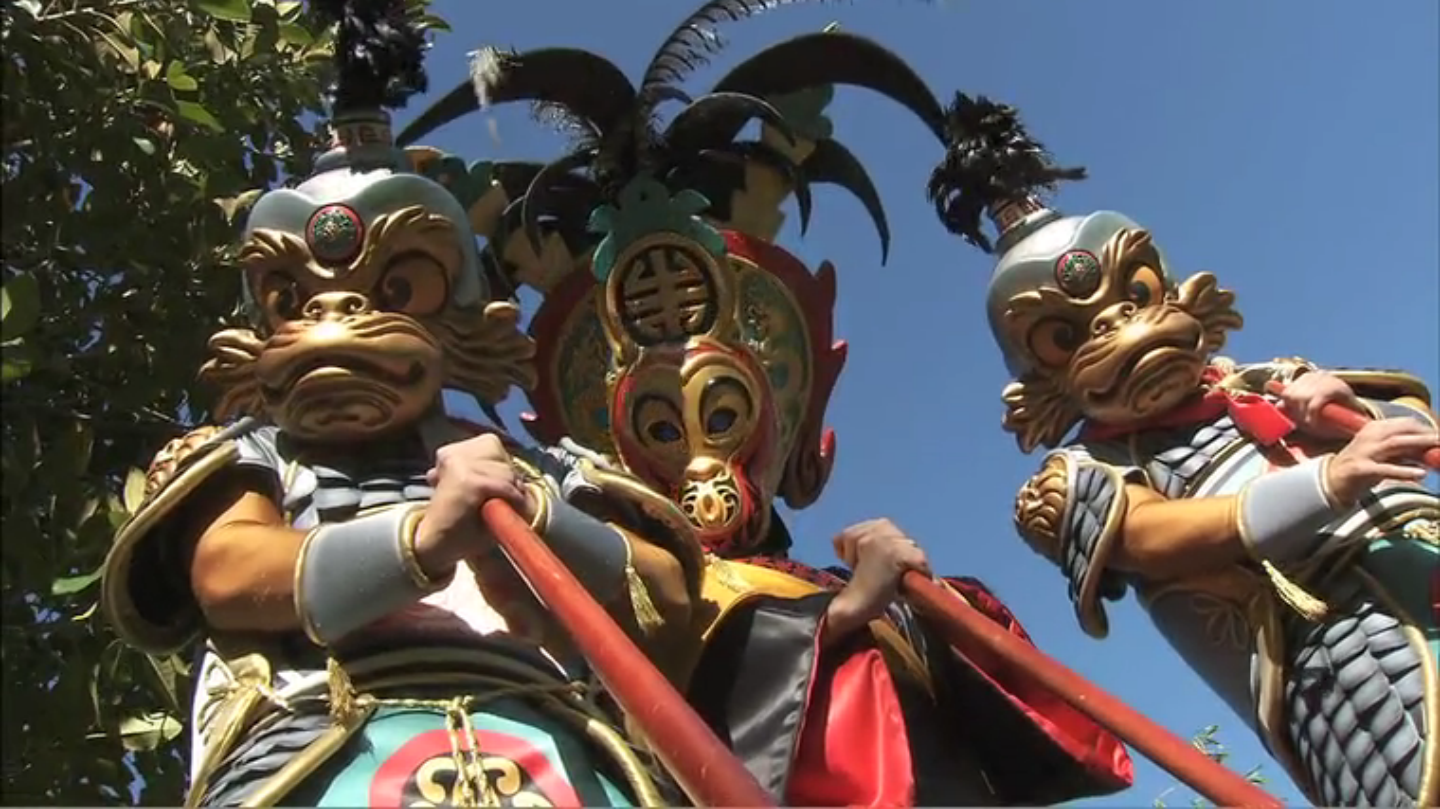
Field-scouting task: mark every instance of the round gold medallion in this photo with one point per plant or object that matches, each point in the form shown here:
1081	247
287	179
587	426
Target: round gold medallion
666	290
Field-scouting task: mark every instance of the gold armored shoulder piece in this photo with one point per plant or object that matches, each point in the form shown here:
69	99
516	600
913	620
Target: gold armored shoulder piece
1071	512
144	590
169	459
1384	385
1253	377
1040	505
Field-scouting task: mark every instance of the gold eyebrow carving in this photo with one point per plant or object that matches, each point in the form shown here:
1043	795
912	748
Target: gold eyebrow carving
411	229
269	249
408	229
1127	248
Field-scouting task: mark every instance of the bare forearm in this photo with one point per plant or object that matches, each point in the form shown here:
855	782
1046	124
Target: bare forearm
1166	539
842	619
244	577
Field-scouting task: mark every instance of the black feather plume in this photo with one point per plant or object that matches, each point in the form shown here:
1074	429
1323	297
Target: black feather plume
379	53
695	40
989	159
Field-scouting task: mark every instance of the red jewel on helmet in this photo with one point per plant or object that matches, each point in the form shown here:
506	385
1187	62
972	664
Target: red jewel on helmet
335	233
1078	273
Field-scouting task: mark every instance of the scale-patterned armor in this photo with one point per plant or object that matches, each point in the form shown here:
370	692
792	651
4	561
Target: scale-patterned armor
1341	699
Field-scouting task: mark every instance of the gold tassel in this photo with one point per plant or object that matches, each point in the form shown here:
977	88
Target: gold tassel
727	575
1307	606
646	615
344	705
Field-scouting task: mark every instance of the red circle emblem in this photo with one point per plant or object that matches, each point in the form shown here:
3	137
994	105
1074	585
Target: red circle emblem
423	773
1078	273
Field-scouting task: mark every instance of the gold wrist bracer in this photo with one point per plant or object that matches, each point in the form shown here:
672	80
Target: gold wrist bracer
408	530
540	520
297	588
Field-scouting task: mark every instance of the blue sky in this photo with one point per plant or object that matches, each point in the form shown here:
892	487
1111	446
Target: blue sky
1289	146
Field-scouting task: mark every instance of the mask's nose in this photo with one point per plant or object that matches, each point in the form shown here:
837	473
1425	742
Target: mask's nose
336	305
710	497
1112	319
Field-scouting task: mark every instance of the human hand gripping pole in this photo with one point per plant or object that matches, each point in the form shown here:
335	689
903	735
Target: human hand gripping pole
963	627
708	772
1350	421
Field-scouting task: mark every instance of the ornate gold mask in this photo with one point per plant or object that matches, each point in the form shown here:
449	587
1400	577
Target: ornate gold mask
708	375
361	328
1109	339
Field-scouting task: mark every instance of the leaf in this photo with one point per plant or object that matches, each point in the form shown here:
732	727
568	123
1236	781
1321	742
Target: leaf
95	691
71	585
86	615
232	10
129	55
148	36
145	145
16	360
195	113
219	53
178	79
295	34
429	22
164	671
148	731
233	207
134	490
19	306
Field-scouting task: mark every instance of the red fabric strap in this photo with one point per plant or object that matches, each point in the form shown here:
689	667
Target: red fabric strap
1255	416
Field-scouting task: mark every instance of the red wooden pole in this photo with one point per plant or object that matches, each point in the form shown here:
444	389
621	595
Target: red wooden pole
965	627
1343	418
708	772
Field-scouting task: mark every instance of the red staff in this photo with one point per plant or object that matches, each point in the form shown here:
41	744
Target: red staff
1346	420
965	627
712	776
705	768
1349	421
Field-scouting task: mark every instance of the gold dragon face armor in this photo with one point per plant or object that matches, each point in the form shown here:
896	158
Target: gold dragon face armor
1094	329
365	291
705	371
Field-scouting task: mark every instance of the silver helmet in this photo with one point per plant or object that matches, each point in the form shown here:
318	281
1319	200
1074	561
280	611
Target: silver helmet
992	167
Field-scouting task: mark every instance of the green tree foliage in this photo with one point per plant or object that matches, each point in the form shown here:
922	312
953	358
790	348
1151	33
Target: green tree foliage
135	132
1208	742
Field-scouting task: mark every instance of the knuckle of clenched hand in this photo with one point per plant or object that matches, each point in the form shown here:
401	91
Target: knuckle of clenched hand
489	446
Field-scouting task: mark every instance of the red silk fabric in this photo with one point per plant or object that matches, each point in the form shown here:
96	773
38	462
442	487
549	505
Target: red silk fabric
853	750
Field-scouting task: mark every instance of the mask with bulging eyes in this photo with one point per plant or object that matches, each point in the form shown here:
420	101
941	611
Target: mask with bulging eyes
1095	329
708	375
366	298
700	424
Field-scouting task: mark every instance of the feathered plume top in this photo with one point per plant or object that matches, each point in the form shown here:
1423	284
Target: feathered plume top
379	53
618	136
990	160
